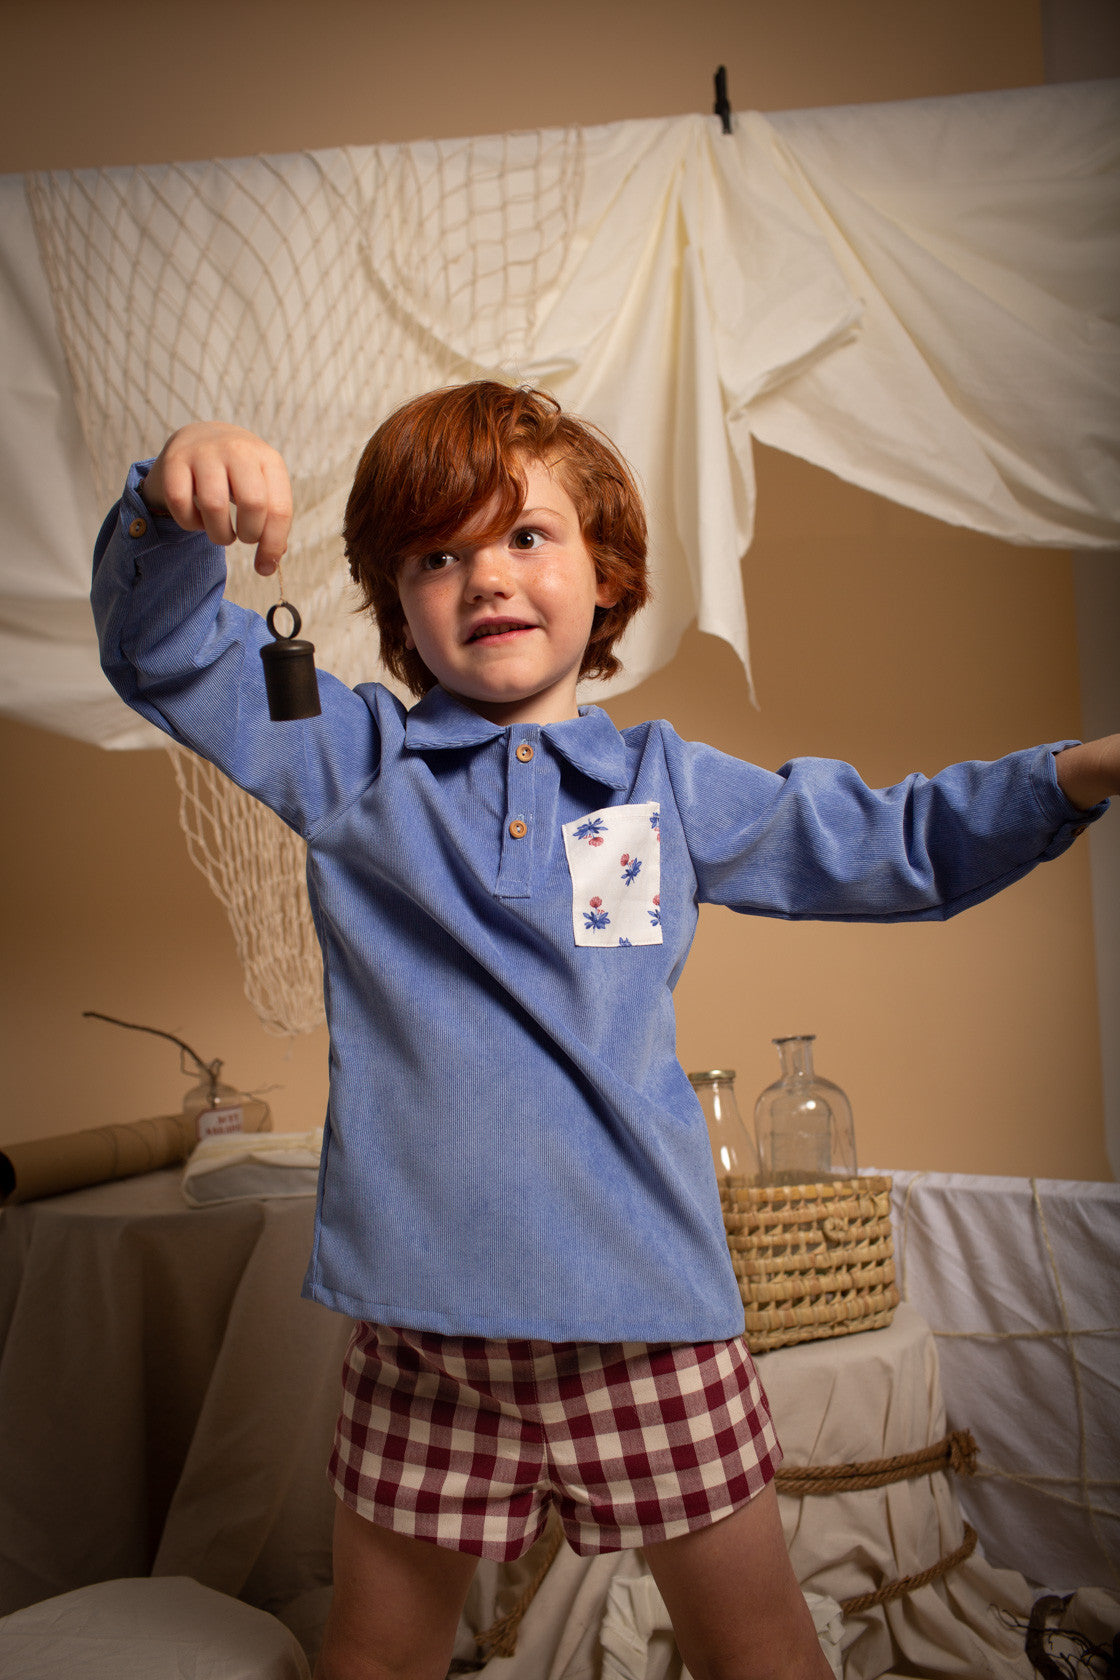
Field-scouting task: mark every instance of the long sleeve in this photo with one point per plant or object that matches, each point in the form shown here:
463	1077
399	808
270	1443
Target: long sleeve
812	840
189	661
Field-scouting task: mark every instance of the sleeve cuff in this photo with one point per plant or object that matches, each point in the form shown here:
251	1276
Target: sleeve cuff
1069	820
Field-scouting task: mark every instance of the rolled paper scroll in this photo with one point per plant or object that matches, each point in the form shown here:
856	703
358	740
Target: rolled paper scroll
50	1166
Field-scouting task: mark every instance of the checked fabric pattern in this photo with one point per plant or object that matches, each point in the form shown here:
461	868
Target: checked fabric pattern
466	1442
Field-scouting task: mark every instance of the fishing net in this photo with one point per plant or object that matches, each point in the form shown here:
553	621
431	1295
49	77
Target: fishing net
304	297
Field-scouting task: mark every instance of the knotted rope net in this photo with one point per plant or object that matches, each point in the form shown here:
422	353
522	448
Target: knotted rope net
304	298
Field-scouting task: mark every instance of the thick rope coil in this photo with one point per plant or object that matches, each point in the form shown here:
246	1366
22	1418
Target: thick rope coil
911	1583
956	1452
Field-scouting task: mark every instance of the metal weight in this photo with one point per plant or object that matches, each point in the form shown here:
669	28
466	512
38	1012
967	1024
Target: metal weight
289	671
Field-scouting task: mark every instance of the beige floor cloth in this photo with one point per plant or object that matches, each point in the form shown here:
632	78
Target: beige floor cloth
166	1402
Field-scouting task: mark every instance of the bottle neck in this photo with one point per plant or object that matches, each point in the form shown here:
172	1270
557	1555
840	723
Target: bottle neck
797	1056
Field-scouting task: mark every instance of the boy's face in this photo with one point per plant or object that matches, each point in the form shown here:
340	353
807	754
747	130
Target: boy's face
503	624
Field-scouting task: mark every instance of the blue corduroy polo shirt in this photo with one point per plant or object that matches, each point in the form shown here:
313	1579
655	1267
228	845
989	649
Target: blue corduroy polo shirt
512	1148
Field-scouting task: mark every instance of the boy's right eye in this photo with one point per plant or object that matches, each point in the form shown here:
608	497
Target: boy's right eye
436	561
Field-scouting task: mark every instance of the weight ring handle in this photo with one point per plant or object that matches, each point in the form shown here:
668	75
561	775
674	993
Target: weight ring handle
297	622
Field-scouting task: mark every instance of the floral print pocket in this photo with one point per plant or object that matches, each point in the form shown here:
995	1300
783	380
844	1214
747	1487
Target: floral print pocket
615	861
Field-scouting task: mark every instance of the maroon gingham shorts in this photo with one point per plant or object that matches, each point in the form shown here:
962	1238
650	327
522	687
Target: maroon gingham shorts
466	1442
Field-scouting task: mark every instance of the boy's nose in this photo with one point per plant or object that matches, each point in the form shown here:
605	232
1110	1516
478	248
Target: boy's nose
489	572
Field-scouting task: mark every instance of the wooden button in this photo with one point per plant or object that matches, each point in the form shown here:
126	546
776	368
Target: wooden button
138	528
524	752
518	829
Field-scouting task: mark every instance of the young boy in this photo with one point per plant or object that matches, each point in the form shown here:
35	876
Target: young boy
517	1201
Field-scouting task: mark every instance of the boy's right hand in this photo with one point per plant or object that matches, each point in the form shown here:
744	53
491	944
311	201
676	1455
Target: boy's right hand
204	468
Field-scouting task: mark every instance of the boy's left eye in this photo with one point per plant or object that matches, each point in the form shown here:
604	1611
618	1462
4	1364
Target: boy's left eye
527	538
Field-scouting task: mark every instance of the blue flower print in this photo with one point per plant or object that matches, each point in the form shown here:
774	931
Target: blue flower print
633	867
654	918
624	942
597	919
655	820
593	825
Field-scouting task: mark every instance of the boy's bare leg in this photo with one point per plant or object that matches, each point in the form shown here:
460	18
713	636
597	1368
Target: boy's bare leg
737	1610
396	1604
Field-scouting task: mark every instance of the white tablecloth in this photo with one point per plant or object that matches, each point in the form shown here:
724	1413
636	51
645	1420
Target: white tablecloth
1020	1281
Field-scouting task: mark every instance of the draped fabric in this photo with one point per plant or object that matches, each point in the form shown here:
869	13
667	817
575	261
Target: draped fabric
919	297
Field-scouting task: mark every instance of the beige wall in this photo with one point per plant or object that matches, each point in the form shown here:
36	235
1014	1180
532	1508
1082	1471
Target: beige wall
879	636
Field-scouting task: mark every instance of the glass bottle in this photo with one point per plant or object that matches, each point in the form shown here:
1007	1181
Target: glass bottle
216	1108
803	1123
733	1147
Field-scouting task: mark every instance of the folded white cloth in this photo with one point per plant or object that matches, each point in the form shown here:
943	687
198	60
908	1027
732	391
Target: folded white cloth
245	1166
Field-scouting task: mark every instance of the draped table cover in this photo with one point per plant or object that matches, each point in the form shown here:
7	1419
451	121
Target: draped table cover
1018	1280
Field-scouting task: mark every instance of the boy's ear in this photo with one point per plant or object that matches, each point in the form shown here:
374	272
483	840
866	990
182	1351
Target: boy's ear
606	595
408	641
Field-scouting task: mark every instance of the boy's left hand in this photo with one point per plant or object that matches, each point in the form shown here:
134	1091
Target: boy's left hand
1091	772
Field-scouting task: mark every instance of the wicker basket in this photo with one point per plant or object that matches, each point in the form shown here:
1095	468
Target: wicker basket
812	1260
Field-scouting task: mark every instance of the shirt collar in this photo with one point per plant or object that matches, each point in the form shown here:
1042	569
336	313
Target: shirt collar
589	742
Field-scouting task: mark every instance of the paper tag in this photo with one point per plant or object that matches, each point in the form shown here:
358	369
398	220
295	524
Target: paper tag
216	1122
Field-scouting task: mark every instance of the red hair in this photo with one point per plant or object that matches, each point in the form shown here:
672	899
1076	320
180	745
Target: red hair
436	463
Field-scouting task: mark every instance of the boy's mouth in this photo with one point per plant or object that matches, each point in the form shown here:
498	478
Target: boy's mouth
491	627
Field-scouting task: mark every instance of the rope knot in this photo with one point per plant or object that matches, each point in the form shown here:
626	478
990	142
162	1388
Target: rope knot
963	1452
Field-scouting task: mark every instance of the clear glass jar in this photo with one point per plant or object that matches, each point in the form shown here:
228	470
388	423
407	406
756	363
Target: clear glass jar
733	1149
803	1123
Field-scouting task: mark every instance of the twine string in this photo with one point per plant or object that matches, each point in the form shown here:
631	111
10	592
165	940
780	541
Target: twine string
209	1070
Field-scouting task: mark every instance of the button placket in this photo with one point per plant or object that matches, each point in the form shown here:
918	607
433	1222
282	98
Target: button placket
516	866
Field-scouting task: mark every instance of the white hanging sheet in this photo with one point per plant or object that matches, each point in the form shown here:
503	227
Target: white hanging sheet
917	296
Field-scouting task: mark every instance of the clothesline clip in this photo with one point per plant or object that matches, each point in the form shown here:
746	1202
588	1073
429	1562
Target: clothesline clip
722	106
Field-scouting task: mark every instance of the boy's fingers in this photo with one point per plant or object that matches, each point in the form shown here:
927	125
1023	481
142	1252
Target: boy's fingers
212	496
170	485
249	494
272	539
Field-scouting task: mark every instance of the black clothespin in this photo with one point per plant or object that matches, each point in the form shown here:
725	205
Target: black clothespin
722	106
